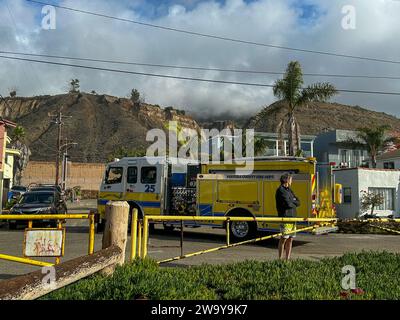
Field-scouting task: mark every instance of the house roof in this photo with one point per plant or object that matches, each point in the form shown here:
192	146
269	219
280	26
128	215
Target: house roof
389	155
275	135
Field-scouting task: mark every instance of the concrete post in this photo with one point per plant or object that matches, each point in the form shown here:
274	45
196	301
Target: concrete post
116	229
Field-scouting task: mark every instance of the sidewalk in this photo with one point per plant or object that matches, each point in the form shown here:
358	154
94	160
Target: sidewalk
83	205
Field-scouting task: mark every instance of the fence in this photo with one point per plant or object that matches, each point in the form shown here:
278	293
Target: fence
140	231
35	285
58	217
30	286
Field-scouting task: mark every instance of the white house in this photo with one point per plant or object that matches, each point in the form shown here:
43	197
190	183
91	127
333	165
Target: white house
355	180
389	160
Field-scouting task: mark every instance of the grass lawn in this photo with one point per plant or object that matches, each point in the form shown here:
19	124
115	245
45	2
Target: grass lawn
377	273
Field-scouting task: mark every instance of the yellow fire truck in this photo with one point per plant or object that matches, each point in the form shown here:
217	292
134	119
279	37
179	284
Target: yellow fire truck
165	186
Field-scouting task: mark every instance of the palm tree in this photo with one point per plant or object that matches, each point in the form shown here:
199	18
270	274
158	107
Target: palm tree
18	133
74	86
374	140
291	92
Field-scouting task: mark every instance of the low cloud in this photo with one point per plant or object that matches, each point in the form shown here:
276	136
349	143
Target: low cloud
311	24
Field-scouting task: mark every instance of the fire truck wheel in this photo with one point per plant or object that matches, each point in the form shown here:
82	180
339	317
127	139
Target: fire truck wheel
242	230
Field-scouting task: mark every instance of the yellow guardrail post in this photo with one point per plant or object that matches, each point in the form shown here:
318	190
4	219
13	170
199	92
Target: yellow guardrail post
228	232
91	232
139	240
134	227
58	259
181	242
145	236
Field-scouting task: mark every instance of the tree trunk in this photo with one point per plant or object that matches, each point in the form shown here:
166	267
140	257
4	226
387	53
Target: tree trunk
281	144
292	135
298	141
373	158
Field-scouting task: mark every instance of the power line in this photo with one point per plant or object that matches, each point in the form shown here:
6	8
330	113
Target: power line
194	68
33	74
205	35
181	78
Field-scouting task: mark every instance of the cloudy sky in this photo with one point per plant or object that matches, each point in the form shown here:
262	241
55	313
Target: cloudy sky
306	24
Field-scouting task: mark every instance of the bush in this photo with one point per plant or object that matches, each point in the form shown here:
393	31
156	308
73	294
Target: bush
377	275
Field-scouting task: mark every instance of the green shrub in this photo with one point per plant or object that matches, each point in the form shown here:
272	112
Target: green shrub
297	279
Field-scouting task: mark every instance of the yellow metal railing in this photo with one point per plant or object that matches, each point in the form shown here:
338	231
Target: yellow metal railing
140	231
385	229
31	217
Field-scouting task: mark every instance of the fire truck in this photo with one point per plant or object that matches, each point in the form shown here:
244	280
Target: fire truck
168	186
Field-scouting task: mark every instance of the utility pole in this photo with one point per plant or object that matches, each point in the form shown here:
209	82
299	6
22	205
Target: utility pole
58	120
59	123
64	173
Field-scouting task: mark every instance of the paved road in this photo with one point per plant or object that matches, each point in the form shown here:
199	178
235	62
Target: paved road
164	244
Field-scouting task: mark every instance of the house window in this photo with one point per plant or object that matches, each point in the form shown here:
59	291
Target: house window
346	195
344	156
356	158
388	165
388	197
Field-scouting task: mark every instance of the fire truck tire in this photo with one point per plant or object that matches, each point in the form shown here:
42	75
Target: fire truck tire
241	230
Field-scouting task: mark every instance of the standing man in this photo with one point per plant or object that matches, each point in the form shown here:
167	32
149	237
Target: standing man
286	204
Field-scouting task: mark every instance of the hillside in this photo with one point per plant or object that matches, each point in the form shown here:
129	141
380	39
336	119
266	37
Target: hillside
318	117
100	124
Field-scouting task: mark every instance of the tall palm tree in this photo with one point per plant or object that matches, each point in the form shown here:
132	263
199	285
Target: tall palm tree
374	140
291	92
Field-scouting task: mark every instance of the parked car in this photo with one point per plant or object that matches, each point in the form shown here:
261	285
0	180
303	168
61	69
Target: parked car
38	202
46	187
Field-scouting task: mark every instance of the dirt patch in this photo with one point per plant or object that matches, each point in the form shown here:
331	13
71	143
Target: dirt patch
367	227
